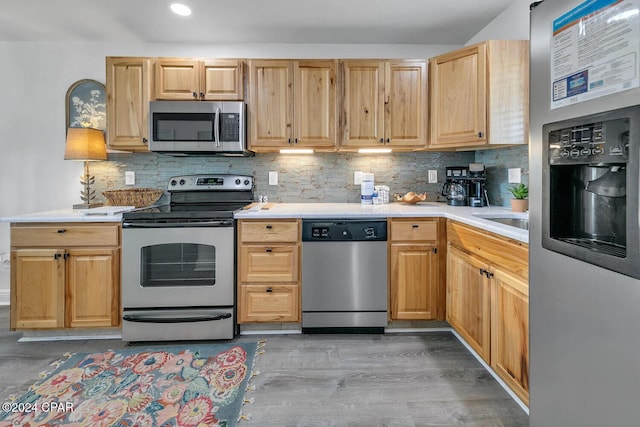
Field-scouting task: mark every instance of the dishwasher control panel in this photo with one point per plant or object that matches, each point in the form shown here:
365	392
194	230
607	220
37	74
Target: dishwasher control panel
344	230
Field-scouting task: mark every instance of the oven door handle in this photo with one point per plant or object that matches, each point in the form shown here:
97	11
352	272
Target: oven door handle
177	224
185	319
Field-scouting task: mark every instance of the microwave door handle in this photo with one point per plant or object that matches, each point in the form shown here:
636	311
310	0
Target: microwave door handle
216	127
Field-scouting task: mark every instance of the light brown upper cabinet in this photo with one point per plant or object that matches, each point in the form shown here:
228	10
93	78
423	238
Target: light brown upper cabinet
128	92
292	104
384	104
479	96
190	79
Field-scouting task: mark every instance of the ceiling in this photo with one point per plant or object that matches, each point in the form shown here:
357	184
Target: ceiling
249	21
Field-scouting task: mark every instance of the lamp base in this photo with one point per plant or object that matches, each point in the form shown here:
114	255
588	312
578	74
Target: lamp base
87	205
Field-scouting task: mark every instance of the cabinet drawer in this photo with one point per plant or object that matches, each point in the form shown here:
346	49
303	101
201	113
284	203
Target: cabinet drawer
64	235
263	303
415	230
264	263
269	231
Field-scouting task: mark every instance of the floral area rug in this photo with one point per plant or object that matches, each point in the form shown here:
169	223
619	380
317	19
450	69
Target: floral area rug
196	387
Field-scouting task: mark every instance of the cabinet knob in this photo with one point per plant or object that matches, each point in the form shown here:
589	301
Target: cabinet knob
269	226
145	140
295	141
269	290
268	250
480	134
202	95
415	226
483	272
61	230
289	141
388	140
381	140
434	250
56	256
195	95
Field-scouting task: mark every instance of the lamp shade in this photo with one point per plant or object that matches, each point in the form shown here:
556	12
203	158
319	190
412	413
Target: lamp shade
85	144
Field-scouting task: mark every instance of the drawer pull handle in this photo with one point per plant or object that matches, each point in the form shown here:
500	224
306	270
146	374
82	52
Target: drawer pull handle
269	289
269	227
269	250
62	230
415	225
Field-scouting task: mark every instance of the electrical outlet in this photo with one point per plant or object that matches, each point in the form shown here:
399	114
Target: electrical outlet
515	175
433	176
357	178
273	178
129	178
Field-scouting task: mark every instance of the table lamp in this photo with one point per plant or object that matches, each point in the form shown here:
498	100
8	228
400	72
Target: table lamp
86	144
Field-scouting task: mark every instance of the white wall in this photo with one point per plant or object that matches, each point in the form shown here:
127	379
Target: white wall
512	24
34	79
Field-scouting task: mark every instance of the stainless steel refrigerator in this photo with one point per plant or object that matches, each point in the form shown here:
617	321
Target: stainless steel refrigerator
584	220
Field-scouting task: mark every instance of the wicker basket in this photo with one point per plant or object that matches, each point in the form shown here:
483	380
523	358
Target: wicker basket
138	197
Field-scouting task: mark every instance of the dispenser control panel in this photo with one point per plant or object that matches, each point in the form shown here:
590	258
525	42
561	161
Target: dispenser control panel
600	142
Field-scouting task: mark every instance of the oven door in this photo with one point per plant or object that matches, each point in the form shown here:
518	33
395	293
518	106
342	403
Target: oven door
177	267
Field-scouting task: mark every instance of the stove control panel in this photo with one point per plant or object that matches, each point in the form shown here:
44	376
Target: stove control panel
211	182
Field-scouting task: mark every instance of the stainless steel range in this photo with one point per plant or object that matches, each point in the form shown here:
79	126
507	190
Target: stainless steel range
178	261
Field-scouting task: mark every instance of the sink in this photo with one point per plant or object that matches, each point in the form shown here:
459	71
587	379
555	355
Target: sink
513	222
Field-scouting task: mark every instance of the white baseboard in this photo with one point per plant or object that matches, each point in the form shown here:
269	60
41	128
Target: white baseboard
4	297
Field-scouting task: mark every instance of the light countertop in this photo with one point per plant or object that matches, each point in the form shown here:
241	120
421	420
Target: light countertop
100	214
464	214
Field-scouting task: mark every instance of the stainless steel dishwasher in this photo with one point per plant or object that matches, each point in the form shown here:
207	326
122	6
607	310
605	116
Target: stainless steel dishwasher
344	275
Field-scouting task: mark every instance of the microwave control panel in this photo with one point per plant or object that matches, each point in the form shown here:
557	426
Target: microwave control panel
600	142
229	127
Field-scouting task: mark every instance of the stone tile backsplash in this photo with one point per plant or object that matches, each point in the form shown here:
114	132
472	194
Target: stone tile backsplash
318	177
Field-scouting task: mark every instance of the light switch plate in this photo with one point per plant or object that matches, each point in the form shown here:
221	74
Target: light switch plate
515	175
433	176
273	178
357	178
129	178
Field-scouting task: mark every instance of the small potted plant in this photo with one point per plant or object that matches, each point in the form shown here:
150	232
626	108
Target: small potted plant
519	203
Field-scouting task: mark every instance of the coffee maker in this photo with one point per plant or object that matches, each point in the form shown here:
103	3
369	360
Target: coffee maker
477	186
456	186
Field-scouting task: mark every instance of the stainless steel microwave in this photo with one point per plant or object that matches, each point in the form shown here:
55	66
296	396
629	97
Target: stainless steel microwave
198	128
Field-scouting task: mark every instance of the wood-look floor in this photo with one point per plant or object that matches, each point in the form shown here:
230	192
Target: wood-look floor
404	380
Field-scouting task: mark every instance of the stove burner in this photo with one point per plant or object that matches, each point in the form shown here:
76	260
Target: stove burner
199	197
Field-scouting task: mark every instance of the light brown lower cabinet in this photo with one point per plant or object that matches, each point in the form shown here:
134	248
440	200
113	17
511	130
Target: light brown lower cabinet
414	269
269	271
65	276
488	300
266	303
469	300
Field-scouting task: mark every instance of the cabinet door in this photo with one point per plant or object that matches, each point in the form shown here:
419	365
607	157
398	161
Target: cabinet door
38	277
414	280
269	263
315	104
222	80
262	303
510	331
271	104
362	104
458	97
92	288
128	92
406	104
469	300
177	79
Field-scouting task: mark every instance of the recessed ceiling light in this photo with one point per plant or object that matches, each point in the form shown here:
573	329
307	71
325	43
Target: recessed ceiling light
180	9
